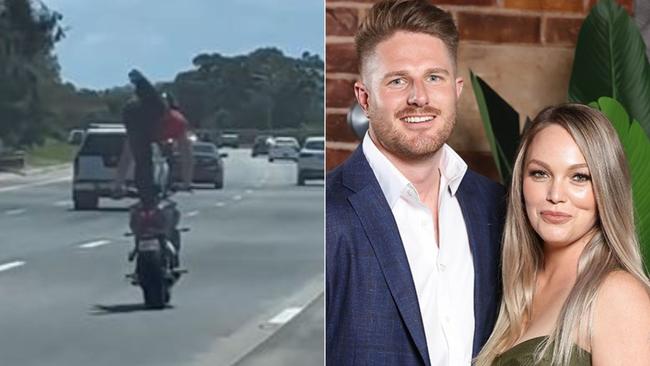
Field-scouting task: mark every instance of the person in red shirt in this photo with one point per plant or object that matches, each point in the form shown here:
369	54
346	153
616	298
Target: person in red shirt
175	129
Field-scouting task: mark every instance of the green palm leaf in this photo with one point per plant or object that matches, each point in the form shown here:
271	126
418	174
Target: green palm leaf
610	61
501	123
637	149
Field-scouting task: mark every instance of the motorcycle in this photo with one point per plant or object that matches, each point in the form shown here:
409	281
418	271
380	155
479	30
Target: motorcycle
157	243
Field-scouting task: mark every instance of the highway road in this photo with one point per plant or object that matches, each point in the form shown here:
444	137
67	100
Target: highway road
253	294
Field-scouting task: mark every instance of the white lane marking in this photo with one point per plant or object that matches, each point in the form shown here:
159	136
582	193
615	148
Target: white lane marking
249	191
237	198
237	345
42	183
94	244
15	212
285	316
62	203
192	213
10	265
220	204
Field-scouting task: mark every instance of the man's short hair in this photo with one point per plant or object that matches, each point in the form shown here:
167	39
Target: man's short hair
419	16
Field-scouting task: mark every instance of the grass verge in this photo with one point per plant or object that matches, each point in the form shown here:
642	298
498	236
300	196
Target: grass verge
52	152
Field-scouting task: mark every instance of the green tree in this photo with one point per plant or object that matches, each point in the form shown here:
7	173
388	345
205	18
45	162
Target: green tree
260	90
27	37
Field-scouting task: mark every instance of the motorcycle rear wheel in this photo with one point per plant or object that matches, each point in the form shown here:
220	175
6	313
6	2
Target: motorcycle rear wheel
152	279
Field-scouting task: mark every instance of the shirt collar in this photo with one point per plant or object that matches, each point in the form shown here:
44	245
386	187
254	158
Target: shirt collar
453	168
391	180
393	183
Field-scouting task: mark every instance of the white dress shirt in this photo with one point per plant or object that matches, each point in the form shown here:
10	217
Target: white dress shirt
443	273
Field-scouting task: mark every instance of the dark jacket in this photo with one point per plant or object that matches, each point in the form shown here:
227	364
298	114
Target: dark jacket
372	311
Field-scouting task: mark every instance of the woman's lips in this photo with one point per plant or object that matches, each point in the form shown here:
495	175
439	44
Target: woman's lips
555	217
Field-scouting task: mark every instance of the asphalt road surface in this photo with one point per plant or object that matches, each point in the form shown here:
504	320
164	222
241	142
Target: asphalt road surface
253	294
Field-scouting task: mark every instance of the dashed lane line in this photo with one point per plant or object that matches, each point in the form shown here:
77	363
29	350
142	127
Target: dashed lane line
10	265
285	316
228	351
94	244
192	213
15	212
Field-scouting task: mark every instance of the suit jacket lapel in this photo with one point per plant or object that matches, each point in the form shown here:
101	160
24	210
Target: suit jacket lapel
469	201
377	219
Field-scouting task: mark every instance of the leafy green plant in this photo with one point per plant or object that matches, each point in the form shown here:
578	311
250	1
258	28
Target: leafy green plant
610	68
501	123
610	61
637	150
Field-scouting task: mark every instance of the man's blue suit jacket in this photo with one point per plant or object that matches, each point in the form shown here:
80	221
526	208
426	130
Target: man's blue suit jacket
372	312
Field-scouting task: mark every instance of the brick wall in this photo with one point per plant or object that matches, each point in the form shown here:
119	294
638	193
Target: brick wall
522	48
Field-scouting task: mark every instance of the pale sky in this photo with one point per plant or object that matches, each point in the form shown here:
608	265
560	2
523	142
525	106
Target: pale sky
107	38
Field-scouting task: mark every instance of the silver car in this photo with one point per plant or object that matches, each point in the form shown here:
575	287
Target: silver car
284	148
310	160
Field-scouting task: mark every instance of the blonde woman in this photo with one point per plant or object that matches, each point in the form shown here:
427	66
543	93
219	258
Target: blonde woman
574	289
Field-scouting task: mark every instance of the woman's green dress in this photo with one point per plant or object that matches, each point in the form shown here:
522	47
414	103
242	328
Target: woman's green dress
522	355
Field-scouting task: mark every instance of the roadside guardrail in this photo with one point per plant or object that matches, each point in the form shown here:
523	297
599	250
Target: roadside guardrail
12	161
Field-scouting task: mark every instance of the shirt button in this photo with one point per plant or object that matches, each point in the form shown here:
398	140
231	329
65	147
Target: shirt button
441	267
447	319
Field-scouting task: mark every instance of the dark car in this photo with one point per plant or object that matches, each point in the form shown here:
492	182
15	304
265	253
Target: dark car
229	139
260	145
208	165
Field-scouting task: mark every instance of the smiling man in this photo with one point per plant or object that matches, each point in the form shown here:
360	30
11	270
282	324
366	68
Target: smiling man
412	234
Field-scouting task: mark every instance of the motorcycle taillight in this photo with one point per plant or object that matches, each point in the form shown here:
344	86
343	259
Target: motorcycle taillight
147	216
145	221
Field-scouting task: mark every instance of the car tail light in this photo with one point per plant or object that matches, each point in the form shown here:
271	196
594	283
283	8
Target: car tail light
75	170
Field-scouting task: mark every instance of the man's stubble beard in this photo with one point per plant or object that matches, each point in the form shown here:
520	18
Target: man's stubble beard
399	144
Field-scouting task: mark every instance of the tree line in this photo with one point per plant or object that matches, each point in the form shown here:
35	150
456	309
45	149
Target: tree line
264	89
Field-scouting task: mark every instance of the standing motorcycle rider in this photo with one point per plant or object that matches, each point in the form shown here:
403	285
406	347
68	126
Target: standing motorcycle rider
148	119
151	119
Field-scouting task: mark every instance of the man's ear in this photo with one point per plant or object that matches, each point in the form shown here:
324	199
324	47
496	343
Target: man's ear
362	95
459	87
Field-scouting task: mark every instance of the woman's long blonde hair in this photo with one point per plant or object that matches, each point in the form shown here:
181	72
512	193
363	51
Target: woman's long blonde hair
613	247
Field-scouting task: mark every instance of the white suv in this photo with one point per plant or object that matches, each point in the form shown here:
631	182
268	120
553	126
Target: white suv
96	163
310	160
